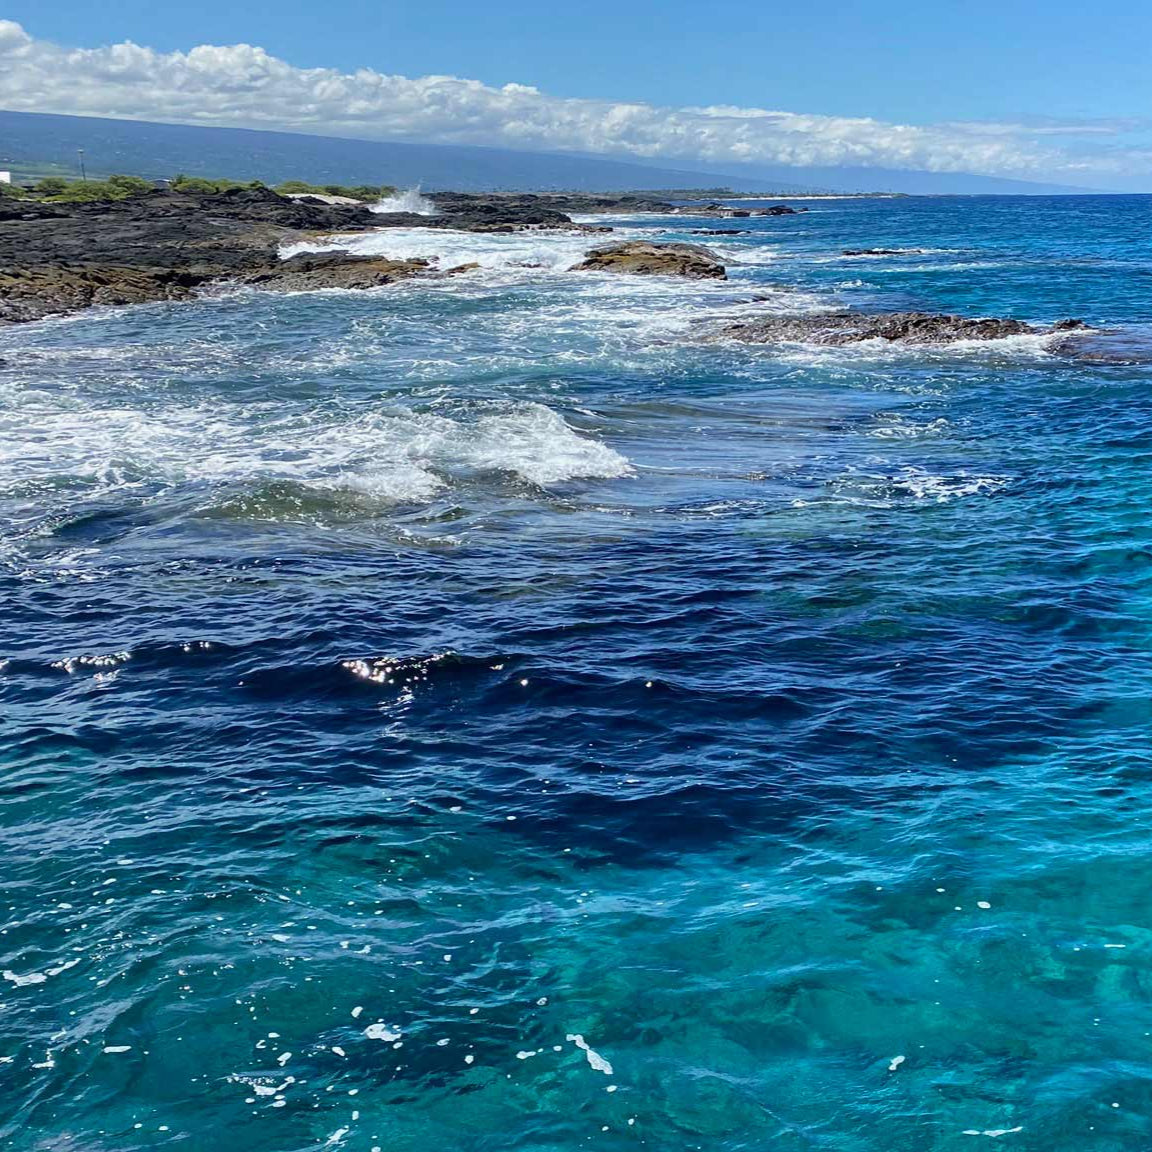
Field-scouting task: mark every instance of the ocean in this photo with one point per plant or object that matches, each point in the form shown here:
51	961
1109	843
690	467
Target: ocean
479	714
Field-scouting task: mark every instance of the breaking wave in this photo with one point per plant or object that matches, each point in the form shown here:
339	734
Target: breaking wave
409	200
391	455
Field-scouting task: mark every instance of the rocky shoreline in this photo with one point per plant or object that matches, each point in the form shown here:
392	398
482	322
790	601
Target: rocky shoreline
167	245
164	245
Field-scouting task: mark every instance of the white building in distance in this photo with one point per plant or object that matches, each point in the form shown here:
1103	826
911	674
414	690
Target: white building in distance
5	177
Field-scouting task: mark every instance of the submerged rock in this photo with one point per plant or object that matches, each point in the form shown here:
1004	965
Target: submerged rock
838	328
883	251
645	258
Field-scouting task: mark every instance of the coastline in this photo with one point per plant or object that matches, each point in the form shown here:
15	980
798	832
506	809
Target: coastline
167	246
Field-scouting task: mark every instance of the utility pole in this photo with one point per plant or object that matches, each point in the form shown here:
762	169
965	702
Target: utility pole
80	157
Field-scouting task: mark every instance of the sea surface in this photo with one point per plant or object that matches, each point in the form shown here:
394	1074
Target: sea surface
478	714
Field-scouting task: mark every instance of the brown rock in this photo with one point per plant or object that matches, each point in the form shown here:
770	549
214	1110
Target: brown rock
644	258
33	293
312	270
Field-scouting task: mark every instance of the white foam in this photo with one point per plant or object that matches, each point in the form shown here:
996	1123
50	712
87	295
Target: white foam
38	977
918	484
880	351
409	200
382	1032
387	453
23	981
598	1063
517	252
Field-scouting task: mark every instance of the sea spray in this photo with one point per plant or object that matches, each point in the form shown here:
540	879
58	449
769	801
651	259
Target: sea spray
409	200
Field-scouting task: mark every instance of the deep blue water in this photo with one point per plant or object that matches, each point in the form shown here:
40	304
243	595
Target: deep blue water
398	685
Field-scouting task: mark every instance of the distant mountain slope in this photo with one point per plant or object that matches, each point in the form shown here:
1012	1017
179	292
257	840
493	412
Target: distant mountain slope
36	142
30	141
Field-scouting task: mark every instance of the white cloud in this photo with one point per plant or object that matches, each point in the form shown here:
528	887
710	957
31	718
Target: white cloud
243	86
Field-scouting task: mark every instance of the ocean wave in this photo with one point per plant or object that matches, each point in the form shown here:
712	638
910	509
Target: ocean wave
388	454
516	252
880	351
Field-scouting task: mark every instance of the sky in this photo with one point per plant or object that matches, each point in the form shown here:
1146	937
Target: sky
1050	91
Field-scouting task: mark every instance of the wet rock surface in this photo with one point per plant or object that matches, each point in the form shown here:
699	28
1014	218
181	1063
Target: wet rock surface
834	329
59	258
28	294
645	258
163	245
309	271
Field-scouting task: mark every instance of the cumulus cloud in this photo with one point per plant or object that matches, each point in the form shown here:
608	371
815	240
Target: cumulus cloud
244	86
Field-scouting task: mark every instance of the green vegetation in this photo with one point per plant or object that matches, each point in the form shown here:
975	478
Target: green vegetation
58	190
63	190
357	192
201	185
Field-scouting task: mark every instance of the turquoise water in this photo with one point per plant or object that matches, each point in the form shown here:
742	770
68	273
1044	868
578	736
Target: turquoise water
398	686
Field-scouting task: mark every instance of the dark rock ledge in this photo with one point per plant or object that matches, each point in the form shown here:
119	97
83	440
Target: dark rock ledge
164	245
834	329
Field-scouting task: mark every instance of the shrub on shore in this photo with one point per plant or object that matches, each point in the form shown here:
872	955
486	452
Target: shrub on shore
57	190
201	185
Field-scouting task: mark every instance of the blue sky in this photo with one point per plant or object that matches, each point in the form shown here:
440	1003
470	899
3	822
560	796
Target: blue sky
899	60
1060	82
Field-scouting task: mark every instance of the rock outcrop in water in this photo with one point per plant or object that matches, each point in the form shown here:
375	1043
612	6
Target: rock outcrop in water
33	293
883	252
727	212
645	258
838	328
312	270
